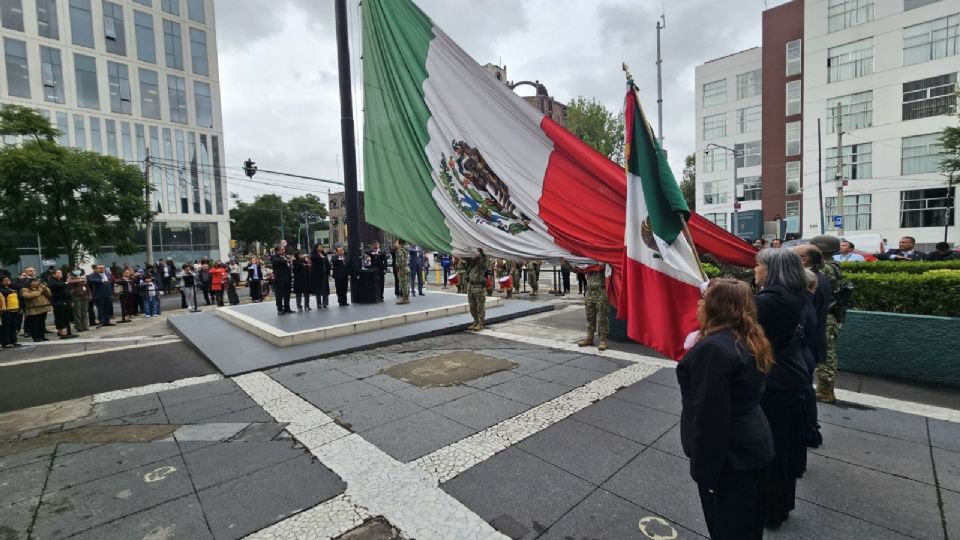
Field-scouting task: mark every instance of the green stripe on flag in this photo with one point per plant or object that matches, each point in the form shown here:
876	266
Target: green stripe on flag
665	203
397	175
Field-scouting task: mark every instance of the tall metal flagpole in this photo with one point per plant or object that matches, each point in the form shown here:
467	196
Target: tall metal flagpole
663	19
349	147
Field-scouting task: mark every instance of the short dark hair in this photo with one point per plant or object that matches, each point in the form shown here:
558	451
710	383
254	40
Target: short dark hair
852	245
942	246
912	239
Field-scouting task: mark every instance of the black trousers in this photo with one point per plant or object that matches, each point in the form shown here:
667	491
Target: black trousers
34	325
255	291
732	510
581	283
283	295
62	316
104	307
305	296
218	297
565	278
90	311
382	276
785	412
9	325
341	285
396	284
446	275
205	288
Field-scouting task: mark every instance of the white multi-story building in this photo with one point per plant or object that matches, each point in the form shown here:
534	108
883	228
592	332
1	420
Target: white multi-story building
892	68
128	78
729	113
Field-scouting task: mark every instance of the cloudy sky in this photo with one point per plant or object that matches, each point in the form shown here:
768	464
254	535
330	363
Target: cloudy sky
278	67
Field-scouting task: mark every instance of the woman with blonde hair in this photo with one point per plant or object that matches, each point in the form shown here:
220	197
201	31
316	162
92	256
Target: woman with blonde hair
723	429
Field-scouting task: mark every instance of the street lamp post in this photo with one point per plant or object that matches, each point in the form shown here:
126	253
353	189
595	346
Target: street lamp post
736	200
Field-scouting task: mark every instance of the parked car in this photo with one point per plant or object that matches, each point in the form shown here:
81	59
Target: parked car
867	245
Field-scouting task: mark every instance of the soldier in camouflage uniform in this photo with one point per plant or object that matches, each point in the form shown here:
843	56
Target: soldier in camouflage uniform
517	273
597	308
461	267
533	274
477	276
826	372
403	271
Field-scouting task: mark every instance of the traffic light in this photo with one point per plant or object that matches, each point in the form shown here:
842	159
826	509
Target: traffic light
250	167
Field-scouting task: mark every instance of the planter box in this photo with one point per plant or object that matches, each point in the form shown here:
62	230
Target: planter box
922	348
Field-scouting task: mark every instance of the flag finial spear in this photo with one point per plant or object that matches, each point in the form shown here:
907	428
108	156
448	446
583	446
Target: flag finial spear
626	70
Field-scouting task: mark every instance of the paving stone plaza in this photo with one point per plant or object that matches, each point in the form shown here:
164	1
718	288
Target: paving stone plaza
505	434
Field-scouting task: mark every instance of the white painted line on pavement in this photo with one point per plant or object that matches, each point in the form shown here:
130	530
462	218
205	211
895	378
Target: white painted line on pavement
909	407
55	342
375	481
328	519
573	347
87	353
449	461
153	388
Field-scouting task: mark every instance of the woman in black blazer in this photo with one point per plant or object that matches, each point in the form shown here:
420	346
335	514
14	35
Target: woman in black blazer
341	275
723	430
320	275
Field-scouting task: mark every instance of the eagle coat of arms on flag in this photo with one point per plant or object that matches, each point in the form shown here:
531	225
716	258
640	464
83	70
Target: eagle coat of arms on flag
478	191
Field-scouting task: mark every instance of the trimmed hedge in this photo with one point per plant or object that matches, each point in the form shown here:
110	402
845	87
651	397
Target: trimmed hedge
897	267
935	292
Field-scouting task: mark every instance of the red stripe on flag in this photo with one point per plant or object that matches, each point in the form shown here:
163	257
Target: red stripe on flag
661	310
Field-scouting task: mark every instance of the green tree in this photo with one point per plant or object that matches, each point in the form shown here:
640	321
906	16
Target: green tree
950	164
260	220
597	126
77	202
688	186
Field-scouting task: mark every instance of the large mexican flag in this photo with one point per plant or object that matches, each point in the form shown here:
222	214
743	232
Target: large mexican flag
454	160
661	272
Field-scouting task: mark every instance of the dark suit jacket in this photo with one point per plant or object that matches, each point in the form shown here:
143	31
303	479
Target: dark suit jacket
378	261
891	253
722	424
341	269
281	269
319	273
254	273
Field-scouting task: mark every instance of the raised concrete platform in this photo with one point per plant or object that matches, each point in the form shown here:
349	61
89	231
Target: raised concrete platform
300	328
233	350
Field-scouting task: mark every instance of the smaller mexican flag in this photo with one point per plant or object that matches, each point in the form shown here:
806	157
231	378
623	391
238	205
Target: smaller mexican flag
661	273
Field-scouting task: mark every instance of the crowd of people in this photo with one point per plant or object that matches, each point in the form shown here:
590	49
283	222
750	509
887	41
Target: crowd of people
749	403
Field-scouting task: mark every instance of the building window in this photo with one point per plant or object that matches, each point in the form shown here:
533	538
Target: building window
118	77
203	103
931	40
81	23
51	74
181	177
173	44
921	154
11	14
749	119
715	192
856	111
333	203
170	6
718	218
96	137
794	105
148	3
793	209
793	177
793	138
177	94
914	4
794	57
846	13
714	126
149	94
85	73
927	207
715	160
934	96
715	93
748	154
748	84
79	133
850	61
857	162
749	188
18	72
127	141
856	212
113	33
47	21
195	11
198	52
63	125
146	42
111	137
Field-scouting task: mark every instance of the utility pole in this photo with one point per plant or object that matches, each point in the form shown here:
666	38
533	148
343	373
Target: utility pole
349	147
661	24
839	179
146	176
820	174
951	204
